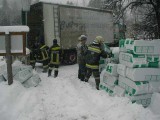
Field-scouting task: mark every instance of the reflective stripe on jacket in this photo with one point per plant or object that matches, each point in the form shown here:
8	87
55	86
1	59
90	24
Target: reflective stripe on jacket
95	51
55	54
42	53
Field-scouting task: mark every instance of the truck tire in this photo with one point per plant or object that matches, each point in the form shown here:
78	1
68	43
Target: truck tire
70	58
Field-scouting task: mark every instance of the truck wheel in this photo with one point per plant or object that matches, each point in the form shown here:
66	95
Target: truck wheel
71	58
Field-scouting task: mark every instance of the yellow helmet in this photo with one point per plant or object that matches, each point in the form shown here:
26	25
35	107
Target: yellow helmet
99	39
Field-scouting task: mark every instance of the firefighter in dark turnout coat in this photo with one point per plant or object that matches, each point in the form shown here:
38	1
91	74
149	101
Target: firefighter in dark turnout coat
54	53
42	55
32	55
81	52
95	51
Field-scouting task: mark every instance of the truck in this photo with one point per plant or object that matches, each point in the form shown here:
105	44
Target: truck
66	23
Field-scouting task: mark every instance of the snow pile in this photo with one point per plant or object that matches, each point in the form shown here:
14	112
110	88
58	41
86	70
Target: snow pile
22	73
8	29
66	98
155	106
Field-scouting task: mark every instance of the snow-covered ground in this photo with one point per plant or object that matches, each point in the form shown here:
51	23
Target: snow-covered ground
67	98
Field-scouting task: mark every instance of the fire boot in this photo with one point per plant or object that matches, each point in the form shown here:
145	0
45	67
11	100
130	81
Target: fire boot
49	72
55	74
44	70
97	83
82	78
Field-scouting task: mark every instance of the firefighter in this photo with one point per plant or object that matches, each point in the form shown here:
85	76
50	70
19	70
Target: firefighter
54	53
32	55
42	55
95	51
81	52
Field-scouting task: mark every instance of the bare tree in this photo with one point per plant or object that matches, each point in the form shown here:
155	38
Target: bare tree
151	15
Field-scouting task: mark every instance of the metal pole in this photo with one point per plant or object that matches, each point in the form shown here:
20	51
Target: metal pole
9	58
26	24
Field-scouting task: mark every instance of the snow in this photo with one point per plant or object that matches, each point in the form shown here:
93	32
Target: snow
8	29
67	98
154	106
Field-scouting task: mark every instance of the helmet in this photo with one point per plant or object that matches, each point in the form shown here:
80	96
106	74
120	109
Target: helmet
99	39
82	37
55	41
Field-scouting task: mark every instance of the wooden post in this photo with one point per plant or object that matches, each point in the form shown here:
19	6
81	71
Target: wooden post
9	58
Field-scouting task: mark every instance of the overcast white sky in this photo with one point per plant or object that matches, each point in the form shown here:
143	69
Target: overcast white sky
77	2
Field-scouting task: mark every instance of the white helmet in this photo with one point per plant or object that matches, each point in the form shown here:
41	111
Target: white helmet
82	37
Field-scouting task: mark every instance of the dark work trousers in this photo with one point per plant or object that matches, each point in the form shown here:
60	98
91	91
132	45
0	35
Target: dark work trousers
51	67
96	75
82	71
45	65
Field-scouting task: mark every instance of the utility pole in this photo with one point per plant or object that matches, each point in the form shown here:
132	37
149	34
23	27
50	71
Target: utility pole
84	4
9	58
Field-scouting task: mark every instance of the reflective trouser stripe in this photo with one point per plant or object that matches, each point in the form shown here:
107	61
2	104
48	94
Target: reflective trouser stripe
45	66
57	59
56	69
50	68
97	77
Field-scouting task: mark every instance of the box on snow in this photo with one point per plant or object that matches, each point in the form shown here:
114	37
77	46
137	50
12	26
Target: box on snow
119	91
139	61
132	87
26	67
110	80
23	75
2	78
33	81
3	68
144	99
121	69
122	45
15	70
102	64
143	46
107	88
111	69
143	74
115	54
154	86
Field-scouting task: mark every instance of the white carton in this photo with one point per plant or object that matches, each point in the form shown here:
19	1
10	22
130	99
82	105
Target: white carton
132	61
122	46
119	91
2	78
144	99
26	67
115	54
110	80
33	81
111	69
143	46
23	75
3	68
136	61
121	69
143	74
15	70
133	88
107	88
154	86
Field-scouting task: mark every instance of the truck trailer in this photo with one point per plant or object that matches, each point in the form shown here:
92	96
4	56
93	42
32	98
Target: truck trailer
66	23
